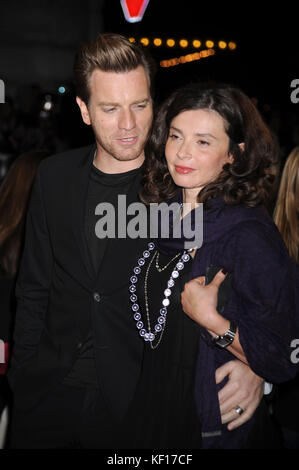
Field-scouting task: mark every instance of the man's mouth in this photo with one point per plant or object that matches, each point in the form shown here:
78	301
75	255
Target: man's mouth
128	140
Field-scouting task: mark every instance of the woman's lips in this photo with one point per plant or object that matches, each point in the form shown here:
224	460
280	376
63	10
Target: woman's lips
183	170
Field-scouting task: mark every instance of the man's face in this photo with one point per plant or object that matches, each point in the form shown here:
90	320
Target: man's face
120	113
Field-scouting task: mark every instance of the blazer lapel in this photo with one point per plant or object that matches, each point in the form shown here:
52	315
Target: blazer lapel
79	194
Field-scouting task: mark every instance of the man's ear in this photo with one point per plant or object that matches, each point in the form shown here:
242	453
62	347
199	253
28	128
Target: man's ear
84	110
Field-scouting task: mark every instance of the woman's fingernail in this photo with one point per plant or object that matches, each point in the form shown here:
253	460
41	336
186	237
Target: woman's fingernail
225	271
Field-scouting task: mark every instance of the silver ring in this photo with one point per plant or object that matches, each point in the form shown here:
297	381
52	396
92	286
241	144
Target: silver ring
239	410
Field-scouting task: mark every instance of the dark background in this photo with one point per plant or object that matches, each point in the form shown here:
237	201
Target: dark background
38	40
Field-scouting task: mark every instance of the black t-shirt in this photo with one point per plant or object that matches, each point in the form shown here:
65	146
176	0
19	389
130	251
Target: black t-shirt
103	188
163	412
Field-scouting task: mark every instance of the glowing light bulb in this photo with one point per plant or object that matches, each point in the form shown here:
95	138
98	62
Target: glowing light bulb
144	41
48	105
196	43
183	43
232	45
170	42
157	42
209	44
222	44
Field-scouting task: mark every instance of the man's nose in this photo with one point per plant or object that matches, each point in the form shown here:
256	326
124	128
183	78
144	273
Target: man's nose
127	120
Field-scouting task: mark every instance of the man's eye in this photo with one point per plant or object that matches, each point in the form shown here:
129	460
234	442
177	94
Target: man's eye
204	142
109	110
141	106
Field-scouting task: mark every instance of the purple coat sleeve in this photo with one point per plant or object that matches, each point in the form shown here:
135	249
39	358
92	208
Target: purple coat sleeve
264	301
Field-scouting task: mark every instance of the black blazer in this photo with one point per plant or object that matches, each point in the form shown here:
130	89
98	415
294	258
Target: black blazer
57	291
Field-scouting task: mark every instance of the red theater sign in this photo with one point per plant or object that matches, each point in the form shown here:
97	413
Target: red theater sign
134	9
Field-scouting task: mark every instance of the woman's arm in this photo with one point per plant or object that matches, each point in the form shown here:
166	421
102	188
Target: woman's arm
263	303
199	302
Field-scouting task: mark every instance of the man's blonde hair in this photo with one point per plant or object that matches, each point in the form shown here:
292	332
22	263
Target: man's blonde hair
109	53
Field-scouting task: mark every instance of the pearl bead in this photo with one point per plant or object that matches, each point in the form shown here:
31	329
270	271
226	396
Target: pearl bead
161	320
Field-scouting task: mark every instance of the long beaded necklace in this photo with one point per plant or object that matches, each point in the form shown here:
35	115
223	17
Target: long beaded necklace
148	335
166	265
155	255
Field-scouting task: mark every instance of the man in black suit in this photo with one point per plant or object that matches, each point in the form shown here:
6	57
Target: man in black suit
77	358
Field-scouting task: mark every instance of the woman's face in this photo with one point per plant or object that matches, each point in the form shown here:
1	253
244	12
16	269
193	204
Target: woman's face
197	148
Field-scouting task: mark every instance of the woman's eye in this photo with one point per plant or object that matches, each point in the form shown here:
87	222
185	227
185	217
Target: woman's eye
173	136
204	142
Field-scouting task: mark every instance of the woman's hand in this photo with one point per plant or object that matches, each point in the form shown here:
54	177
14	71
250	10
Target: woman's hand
199	302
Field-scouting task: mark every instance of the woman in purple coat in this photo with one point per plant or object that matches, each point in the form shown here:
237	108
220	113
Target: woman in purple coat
210	146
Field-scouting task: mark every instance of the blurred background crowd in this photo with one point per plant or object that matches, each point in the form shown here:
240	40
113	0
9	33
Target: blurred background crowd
38	39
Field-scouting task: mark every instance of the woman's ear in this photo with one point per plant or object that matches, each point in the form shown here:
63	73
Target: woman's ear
231	157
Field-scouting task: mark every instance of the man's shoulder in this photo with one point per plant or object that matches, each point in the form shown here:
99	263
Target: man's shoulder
64	161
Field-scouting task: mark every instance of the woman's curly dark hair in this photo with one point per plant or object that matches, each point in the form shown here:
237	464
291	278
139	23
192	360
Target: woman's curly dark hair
249	180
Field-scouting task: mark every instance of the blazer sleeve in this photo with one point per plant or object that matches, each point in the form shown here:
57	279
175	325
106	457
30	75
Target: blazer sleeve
264	301
33	283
